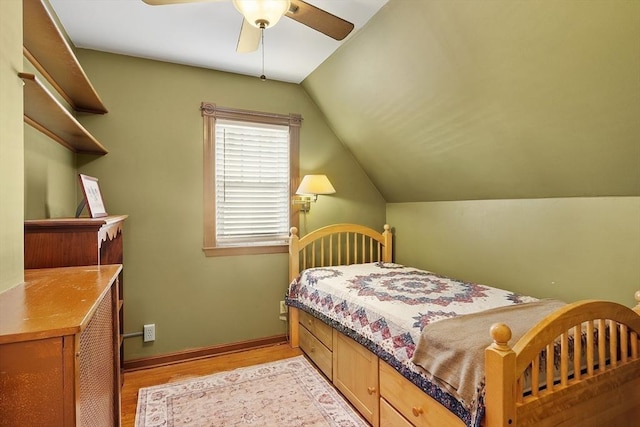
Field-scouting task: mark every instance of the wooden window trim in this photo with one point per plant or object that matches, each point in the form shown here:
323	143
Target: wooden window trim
210	112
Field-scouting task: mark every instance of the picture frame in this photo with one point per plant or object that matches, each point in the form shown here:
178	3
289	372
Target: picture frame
92	196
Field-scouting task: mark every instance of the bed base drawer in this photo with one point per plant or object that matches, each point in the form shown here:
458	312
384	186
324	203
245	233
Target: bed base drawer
355	375
319	329
420	409
317	352
389	417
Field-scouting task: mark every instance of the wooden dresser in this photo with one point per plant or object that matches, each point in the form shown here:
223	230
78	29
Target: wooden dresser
59	348
67	242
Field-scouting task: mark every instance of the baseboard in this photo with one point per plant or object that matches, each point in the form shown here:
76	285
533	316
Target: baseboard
199	353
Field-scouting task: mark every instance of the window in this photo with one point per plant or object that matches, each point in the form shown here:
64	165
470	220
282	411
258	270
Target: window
250	173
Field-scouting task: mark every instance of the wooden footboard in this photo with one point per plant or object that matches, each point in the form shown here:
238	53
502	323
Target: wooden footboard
600	388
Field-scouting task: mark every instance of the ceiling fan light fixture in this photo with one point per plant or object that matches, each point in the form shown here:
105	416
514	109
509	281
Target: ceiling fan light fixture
262	13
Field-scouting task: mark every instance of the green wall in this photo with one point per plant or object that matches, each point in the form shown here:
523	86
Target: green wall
11	145
50	177
51	188
153	173
567	248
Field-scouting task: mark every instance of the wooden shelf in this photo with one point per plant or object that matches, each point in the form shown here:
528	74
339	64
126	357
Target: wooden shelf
47	49
45	113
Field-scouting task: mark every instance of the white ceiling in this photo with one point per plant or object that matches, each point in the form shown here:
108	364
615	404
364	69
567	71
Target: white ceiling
206	34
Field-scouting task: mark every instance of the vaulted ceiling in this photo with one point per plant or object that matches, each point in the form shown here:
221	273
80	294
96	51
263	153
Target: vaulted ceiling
458	100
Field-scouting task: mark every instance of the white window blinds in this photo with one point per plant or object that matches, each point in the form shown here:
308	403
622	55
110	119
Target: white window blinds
251	183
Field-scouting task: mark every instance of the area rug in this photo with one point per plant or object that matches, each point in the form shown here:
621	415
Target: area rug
289	392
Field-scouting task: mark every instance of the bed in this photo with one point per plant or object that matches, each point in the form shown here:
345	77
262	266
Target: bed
402	369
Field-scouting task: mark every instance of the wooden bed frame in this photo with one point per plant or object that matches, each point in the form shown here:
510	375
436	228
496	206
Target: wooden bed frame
598	395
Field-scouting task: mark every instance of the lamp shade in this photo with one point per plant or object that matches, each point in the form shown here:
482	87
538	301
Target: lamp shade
267	12
315	184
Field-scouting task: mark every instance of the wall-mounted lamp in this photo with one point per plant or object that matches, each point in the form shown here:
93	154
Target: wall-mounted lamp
309	188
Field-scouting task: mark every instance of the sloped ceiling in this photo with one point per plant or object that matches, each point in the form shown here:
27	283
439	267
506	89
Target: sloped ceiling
464	100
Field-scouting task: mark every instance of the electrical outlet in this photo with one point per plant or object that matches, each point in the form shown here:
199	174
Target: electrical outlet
283	311
149	333
283	308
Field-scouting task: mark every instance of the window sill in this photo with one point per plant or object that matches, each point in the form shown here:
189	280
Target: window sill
245	250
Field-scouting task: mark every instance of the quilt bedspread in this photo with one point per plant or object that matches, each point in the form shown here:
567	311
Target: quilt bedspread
385	306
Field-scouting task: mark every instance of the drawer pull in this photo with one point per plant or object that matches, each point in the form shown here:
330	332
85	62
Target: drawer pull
417	411
309	322
371	390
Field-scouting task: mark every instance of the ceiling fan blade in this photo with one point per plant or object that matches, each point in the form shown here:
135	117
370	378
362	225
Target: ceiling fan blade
249	39
166	2
318	19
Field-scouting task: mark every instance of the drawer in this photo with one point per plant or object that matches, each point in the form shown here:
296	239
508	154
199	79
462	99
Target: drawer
321	330
420	409
355	375
317	352
389	417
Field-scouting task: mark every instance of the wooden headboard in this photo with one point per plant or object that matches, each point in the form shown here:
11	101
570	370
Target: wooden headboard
338	244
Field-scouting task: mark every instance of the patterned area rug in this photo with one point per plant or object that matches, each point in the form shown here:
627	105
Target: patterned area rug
289	392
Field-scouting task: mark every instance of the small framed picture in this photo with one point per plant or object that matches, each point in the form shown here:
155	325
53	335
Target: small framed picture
92	196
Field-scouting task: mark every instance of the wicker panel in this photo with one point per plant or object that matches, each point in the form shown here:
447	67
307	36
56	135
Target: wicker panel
97	368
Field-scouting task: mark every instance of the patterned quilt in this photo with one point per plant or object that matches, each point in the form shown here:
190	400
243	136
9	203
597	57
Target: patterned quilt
385	306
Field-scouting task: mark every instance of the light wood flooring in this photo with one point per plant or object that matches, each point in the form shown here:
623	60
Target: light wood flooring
164	374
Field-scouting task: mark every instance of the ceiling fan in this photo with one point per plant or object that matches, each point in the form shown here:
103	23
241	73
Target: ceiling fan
261	14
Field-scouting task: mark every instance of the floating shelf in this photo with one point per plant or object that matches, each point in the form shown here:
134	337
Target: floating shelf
45	113
47	49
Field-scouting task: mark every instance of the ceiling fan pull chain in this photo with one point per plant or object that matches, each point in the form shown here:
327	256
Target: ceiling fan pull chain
262	76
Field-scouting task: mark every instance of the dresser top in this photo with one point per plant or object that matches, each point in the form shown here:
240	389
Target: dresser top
32	224
53	301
